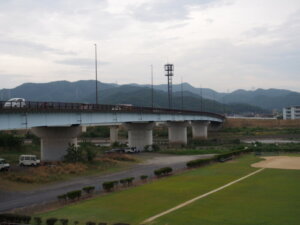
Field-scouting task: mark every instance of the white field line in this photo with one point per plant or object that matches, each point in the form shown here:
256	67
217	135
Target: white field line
199	197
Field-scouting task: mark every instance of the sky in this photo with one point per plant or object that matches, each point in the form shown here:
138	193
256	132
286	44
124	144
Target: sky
220	44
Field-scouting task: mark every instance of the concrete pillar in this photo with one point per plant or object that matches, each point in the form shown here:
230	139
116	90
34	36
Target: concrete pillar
55	141
139	134
177	132
113	134
83	129
199	129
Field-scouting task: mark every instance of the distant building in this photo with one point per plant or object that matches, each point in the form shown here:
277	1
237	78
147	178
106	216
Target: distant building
291	113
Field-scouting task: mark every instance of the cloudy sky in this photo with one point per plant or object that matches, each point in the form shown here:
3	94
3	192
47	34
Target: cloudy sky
219	44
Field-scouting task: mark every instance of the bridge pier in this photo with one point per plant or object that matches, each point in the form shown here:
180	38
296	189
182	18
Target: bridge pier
177	132
113	134
140	134
199	129
55	141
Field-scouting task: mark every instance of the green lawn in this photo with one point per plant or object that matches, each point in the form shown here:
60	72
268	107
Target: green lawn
136	204
270	197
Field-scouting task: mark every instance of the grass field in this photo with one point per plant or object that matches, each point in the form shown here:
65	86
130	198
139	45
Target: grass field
270	197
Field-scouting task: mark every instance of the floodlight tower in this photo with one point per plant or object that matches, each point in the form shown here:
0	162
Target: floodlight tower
169	68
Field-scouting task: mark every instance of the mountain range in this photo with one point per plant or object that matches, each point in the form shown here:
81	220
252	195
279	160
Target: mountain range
239	101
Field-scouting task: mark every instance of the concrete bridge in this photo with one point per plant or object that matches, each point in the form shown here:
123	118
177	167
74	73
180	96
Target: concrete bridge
58	124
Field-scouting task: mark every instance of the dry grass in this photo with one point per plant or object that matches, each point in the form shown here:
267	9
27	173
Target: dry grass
237	122
46	173
119	157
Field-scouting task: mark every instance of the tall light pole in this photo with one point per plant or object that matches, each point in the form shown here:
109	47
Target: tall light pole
152	93
96	72
181	94
169	68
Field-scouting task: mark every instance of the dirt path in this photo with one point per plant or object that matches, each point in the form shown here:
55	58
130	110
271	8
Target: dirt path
279	162
199	197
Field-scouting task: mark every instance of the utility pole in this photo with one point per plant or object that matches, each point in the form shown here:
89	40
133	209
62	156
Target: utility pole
152	91
96	73
181	94
201	99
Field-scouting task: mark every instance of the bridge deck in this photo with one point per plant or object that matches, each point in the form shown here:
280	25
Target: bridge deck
34	114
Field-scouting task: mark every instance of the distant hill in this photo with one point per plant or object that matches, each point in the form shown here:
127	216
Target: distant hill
239	101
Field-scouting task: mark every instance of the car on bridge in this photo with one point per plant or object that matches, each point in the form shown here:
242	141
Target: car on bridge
4	166
123	150
15	103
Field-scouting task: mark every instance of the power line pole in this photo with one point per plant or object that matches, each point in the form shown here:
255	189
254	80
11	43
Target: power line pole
96	73
181	94
152	91
201	99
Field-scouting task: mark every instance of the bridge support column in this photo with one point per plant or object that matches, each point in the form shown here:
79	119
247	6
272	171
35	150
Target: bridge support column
113	134
83	129
140	134
199	129
55	141
177	132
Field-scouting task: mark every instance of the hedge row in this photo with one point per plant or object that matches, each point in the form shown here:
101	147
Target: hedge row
14	218
163	171
88	189
217	158
72	195
23	219
109	185
127	181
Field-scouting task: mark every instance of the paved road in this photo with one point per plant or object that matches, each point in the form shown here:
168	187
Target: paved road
13	200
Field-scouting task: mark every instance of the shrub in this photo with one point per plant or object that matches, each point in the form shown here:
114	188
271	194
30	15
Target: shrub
14	218
143	177
199	162
90	223
121	224
155	148
123	182
127	181
10	141
163	171
102	223
72	195
64	221
130	180
76	222
108	186
51	221
62	197
37	220
74	154
88	189
89	150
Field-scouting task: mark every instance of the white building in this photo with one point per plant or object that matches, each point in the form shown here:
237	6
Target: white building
291	113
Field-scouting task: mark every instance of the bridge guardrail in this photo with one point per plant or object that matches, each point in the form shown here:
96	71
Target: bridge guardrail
31	106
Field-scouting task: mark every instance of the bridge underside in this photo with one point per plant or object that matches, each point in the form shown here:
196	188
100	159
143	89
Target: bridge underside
13	121
58	129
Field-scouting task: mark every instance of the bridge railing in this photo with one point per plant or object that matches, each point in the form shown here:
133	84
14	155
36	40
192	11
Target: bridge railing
30	106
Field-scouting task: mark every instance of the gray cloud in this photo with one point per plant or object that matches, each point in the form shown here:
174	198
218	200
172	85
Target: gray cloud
165	10
85	62
27	48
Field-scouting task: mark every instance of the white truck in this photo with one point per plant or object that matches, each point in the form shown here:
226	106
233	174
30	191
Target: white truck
28	160
4	166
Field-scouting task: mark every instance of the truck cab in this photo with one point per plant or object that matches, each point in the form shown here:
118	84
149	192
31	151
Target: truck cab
4	166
